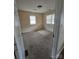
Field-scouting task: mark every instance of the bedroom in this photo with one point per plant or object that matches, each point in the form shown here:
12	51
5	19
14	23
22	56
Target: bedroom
37	32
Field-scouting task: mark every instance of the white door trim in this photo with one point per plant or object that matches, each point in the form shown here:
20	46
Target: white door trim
59	5
17	34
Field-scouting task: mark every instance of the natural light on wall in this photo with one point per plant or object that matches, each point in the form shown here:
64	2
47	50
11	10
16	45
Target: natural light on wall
32	20
50	19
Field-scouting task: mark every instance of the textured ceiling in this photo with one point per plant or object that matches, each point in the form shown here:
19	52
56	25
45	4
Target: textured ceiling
31	5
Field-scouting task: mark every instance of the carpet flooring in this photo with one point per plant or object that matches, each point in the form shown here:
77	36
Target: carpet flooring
39	46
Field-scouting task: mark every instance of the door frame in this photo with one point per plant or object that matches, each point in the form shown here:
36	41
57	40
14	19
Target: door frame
17	34
56	30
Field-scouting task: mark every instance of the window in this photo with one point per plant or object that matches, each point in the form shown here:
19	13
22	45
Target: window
32	20
50	19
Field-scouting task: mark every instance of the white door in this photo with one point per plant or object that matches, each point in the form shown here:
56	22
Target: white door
17	34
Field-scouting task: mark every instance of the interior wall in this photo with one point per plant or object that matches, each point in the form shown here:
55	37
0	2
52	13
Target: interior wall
48	27
25	21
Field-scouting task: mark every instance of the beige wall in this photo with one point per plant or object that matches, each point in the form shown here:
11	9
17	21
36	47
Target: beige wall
41	21
25	21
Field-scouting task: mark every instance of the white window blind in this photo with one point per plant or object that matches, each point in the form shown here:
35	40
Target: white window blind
32	20
50	19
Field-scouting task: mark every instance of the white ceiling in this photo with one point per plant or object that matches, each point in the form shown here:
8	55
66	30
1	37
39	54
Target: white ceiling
31	5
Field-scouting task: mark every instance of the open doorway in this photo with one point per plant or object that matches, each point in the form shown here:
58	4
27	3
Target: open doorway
37	19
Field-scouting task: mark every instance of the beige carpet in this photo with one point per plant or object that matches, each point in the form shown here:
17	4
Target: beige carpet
38	44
